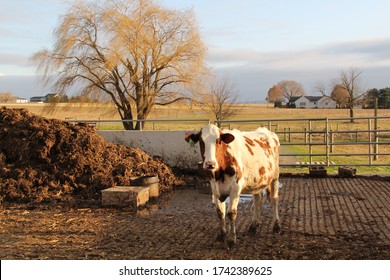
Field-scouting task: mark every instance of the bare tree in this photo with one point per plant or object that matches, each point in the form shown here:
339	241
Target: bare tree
321	88
346	89
6	97
291	88
350	80
221	98
135	51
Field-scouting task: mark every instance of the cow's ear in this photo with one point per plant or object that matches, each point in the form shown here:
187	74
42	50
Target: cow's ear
194	137
227	138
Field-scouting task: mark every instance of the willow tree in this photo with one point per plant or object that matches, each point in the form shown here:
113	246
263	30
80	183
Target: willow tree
135	51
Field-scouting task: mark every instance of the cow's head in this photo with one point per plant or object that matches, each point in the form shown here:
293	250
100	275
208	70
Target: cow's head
213	145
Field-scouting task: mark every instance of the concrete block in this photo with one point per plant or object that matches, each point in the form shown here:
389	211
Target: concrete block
150	182
345	171
125	196
154	190
317	171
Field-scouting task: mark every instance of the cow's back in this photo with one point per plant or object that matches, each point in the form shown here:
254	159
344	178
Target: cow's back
257	154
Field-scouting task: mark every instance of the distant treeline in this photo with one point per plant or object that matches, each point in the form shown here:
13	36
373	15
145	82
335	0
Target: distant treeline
382	95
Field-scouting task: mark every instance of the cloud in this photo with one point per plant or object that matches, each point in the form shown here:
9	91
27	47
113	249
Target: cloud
4	32
22	86
255	72
13	59
367	53
26	11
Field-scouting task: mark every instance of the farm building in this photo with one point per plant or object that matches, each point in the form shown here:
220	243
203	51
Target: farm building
311	102
43	99
21	100
38	99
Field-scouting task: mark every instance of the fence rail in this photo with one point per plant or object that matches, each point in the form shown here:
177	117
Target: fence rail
311	141
317	140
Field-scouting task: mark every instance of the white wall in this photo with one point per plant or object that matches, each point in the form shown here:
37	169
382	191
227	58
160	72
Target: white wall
169	145
300	100
326	102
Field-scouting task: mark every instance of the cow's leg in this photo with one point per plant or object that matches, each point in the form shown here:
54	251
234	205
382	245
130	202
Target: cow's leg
221	210
232	215
256	213
275	204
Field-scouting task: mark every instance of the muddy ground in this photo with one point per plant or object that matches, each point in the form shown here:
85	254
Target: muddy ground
321	218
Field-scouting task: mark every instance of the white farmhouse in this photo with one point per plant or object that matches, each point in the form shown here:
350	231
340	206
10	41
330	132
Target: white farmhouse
312	102
21	100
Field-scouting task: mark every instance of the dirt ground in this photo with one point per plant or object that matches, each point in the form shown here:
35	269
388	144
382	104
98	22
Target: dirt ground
321	218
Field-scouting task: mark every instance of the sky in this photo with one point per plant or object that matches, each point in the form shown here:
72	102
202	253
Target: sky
253	43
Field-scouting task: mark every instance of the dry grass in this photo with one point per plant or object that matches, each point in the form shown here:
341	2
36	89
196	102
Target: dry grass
259	112
179	111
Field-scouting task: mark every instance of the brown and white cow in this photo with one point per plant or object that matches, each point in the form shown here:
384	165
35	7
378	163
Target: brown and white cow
239	162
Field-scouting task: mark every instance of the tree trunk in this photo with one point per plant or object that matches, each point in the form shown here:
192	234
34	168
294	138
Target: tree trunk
143	111
141	116
351	114
128	125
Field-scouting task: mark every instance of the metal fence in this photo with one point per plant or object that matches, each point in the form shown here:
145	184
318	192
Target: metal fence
304	142
325	141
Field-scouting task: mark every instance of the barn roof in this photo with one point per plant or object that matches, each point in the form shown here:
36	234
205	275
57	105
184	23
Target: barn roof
310	98
314	98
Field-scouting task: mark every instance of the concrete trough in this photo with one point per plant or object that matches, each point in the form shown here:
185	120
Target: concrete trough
150	182
124	196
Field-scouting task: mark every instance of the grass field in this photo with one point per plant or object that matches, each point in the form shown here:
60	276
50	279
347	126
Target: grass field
173	115
93	111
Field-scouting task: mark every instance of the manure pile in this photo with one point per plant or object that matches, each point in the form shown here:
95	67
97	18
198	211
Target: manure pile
48	160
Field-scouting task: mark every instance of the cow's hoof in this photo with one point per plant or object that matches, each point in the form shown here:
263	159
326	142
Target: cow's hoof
230	244
253	228
276	228
221	237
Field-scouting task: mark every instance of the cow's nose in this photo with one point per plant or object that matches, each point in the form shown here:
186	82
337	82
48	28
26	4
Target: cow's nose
210	164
